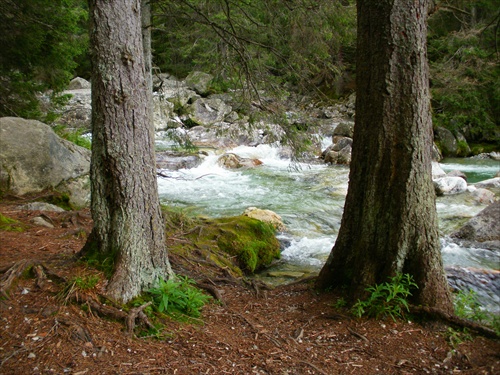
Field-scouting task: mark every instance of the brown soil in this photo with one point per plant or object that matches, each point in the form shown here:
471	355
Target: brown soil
288	330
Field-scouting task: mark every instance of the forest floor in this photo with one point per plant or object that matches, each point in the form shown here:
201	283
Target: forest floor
287	330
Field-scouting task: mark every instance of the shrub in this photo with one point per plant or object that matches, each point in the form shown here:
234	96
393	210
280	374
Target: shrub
387	299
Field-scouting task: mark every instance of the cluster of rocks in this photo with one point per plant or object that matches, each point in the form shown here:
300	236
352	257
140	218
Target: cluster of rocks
187	109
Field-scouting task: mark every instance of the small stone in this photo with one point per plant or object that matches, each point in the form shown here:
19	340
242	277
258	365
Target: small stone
31	355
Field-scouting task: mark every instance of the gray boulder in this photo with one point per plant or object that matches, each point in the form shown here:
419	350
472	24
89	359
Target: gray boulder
46	162
173	162
492	183
208	112
79	83
199	82
446	141
345	129
485	226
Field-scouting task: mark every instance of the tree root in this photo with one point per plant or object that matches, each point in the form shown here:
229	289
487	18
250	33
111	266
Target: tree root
12	274
453	320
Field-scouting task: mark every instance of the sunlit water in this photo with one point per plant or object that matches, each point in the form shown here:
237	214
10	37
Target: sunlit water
310	200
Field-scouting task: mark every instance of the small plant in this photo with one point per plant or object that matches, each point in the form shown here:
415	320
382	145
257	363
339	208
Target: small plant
387	299
456	337
77	285
178	296
340	303
467	306
75	136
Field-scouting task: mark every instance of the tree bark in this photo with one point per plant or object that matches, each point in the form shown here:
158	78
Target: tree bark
125	206
389	223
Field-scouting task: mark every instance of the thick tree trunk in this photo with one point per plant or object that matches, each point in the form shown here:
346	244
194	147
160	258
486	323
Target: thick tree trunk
389	224
125	207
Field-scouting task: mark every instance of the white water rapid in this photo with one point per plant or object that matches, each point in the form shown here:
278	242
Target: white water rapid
310	199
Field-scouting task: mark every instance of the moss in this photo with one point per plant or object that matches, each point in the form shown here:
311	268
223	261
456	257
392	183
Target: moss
60	200
238	244
10	225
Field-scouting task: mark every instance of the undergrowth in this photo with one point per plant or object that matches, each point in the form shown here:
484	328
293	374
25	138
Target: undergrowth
75	136
387	299
10	225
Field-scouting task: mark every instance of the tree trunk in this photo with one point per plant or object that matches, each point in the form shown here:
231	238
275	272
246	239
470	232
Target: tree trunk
389	224
125	207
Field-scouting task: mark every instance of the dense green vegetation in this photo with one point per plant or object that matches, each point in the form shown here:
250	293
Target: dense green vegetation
465	73
41	41
281	46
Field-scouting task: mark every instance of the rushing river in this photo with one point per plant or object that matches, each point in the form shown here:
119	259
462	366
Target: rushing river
310	200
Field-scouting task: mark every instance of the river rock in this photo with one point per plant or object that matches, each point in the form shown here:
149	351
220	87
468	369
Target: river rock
437	171
45	163
199	82
208	111
266	216
173	162
489	184
450	185
78	83
482	196
457	173
233	161
345	129
446	141
485	226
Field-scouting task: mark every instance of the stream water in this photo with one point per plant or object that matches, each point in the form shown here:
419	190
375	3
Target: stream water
310	200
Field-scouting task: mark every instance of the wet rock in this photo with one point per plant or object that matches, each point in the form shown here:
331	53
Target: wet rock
208	111
485	226
483	196
447	141
233	161
172	161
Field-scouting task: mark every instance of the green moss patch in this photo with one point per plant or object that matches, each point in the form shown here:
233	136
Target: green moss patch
239	244
11	225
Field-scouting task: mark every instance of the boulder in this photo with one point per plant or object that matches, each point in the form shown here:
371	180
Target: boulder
437	171
483	196
485	226
266	216
340	143
41	206
199	82
489	184
79	83
450	185
446	141
233	161
163	113
208	112
345	129
457	173
46	162
173	162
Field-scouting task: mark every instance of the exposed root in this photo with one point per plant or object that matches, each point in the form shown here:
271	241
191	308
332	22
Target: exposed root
12	274
453	320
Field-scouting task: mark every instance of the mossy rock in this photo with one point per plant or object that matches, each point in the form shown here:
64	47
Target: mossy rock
240	244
